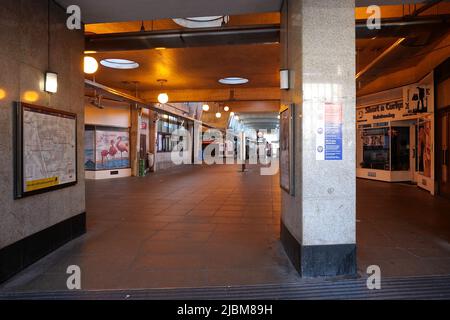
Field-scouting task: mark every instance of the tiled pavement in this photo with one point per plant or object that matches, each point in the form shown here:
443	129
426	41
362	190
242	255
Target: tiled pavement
216	226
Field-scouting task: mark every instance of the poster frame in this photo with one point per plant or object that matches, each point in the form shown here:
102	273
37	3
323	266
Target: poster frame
290	188
19	190
95	128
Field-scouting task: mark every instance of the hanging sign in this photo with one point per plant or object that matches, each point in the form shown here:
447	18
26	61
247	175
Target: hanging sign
329	133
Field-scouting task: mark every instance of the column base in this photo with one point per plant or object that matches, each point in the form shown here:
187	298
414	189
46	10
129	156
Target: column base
19	255
319	261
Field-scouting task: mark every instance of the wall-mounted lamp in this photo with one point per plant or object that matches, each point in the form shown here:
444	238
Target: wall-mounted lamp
51	82
284	79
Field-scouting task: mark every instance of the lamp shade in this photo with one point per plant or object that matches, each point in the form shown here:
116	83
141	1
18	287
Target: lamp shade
51	82
205	107
218	115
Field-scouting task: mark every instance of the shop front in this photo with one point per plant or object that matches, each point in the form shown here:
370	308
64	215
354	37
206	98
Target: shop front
395	135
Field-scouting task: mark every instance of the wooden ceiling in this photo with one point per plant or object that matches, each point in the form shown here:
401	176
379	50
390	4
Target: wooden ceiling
194	68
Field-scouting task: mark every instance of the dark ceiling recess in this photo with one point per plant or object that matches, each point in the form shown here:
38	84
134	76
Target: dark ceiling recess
401	27
185	38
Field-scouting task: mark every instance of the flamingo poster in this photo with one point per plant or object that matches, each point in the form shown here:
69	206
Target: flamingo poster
89	150
112	149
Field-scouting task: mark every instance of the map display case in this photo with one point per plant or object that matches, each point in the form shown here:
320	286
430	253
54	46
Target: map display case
45	149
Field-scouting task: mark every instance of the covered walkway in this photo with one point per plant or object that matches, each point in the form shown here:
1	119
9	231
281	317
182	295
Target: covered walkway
204	226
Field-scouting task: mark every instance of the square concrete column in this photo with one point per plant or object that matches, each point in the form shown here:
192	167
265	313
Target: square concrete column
318	220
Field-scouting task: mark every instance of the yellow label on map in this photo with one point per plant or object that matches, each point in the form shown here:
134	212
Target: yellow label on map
41	183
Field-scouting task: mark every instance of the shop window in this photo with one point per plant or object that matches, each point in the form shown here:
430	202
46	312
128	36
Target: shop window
167	138
375	149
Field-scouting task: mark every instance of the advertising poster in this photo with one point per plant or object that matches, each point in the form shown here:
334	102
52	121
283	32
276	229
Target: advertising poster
329	133
112	149
89	150
286	152
424	153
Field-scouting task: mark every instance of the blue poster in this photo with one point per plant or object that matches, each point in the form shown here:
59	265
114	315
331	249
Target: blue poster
333	131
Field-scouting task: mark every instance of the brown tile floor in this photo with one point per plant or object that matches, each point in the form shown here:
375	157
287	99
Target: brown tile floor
214	226
403	229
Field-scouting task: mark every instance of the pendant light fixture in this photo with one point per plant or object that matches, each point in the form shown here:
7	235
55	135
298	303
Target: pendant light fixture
90	65
226	108
163	97
218	114
205	107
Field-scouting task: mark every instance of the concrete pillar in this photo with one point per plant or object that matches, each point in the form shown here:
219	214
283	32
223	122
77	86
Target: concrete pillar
318	220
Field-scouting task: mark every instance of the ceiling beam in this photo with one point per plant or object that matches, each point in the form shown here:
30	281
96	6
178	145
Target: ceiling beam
217	95
428	5
184	38
401	26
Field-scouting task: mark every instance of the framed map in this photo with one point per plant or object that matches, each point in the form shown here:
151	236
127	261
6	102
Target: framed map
46	149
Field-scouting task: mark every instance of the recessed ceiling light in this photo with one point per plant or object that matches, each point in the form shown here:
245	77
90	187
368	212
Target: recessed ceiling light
119	64
233	80
203	22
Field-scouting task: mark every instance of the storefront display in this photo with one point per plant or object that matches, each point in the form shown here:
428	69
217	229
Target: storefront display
395	138
167	129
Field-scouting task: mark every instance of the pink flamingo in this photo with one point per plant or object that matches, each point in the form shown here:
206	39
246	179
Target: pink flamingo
112	149
104	154
121	146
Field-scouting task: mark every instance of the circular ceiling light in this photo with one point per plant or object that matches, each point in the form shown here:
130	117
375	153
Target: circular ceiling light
205	107
203	22
226	108
233	80
90	65
218	115
119	64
